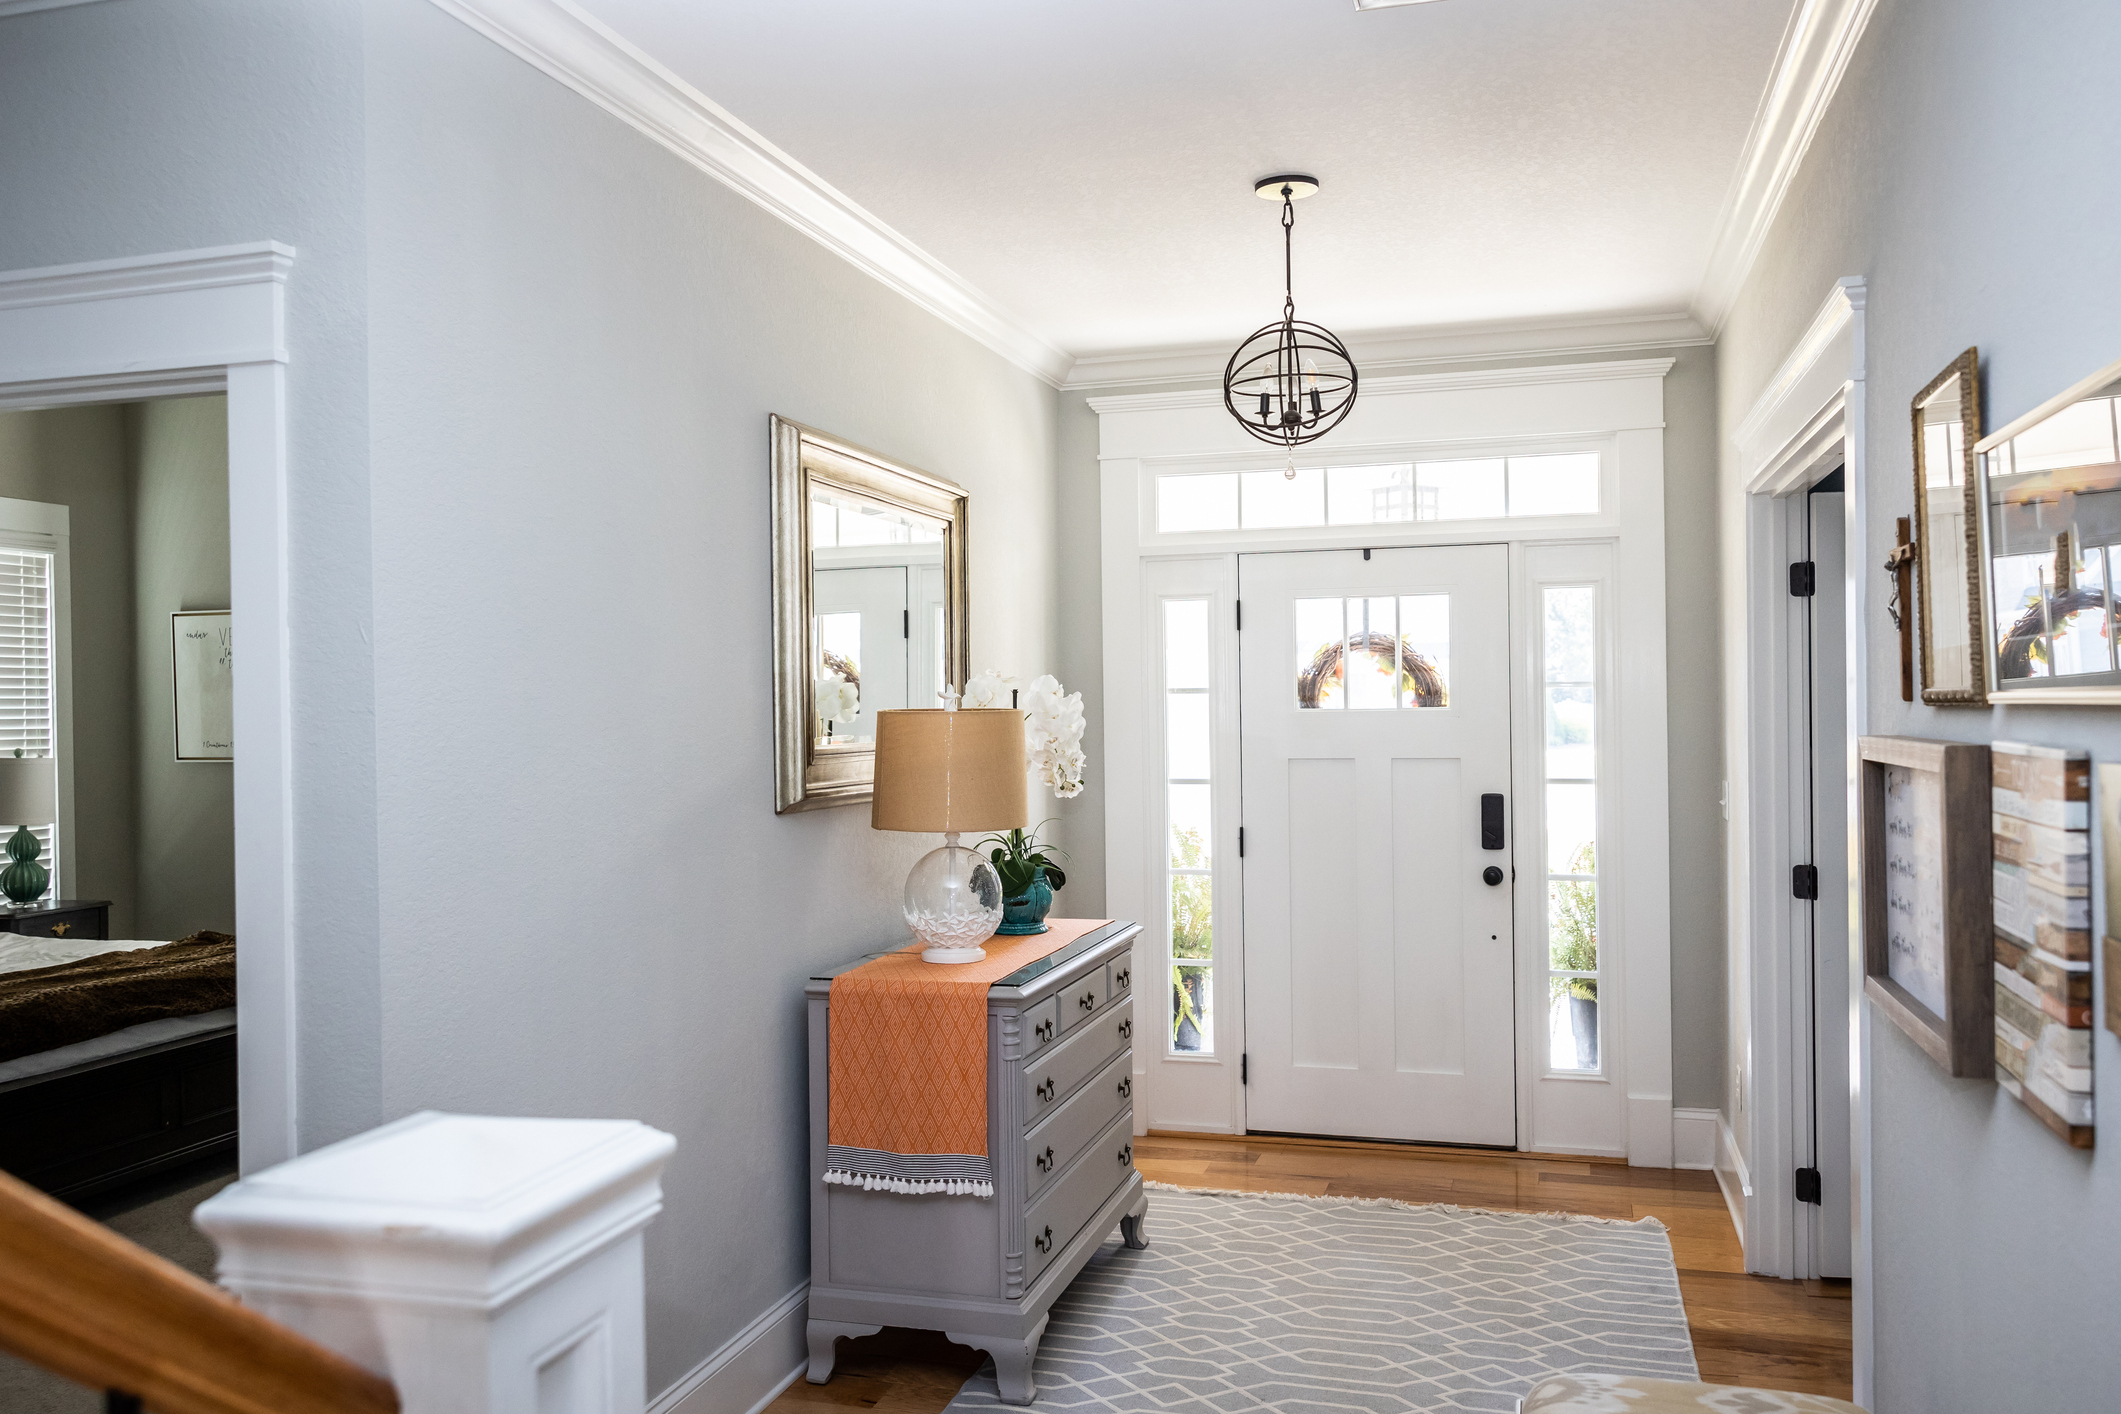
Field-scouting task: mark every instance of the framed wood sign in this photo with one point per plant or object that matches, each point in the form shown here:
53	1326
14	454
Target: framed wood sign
1924	814
2043	943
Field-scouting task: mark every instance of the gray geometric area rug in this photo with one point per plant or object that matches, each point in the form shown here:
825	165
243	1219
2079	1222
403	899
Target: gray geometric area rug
1244	1302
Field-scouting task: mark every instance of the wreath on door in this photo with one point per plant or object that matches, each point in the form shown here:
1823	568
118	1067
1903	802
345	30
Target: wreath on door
1417	674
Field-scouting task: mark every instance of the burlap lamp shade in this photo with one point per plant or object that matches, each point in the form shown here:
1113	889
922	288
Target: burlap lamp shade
942	771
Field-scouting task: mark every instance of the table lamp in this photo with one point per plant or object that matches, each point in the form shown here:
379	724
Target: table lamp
942	771
29	794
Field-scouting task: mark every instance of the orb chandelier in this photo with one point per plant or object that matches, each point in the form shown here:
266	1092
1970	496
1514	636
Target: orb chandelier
1292	381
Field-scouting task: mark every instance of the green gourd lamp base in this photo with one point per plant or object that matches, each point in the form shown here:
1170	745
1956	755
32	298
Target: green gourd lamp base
24	880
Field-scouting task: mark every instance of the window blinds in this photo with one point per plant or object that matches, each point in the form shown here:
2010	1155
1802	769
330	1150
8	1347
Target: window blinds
26	677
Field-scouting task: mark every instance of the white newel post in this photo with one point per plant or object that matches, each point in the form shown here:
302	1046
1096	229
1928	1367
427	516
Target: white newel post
482	1265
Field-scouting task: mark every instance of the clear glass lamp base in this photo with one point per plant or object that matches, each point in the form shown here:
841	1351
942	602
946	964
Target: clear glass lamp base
953	903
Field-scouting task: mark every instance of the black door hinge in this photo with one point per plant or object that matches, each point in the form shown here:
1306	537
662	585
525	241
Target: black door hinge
1240	841
1804	579
1804	881
1240	616
1808	1185
1244	1069
905	623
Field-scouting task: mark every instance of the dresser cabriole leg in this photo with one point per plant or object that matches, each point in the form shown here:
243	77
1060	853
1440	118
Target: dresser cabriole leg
1134	1226
823	1336
1013	1359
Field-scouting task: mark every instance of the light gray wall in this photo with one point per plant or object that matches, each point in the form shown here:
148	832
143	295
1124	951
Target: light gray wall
177	468
141	126
588	906
76	457
1967	169
1693	694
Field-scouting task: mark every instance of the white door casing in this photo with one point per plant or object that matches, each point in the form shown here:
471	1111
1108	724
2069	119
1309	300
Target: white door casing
1378	960
1615	407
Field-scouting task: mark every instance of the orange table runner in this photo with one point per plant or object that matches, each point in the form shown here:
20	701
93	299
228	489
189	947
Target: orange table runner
908	1044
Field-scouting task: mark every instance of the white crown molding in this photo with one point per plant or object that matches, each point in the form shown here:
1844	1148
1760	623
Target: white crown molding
1386	350
10	8
1803	384
1815	52
561	41
1601	372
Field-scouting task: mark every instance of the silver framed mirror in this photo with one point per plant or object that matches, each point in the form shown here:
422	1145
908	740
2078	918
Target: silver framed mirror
1947	423
869	607
2050	499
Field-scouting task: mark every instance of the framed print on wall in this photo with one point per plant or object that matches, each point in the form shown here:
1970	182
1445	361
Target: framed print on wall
2043	944
1947	424
202	684
1924	815
2050	502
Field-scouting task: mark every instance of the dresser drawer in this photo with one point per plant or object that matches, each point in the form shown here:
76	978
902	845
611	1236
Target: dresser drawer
73	923
1063	1209
1056	1075
1119	976
1052	1146
1081	1002
1041	1026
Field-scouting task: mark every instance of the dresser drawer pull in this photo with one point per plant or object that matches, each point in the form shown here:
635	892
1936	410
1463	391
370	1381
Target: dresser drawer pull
1124	976
1044	1241
1126	1087
1087	1001
1045	1160
60	930
1126	1156
1044	1030
1126	1027
1047	1091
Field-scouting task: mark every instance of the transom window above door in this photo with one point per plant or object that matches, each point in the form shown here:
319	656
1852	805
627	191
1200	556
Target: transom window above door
1466	488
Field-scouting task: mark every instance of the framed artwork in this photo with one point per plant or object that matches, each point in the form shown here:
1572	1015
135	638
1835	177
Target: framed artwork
2050	501
202	684
1924	817
1947	422
2109	797
2043	963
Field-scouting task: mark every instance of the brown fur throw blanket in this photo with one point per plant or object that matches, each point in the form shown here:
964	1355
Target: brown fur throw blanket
45	1007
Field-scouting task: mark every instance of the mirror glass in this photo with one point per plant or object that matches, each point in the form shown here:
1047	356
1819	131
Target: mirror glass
877	618
2053	503
1945	430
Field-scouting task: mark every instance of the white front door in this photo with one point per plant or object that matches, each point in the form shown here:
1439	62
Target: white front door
1375	716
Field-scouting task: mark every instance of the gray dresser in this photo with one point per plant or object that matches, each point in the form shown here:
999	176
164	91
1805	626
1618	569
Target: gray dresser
1060	1129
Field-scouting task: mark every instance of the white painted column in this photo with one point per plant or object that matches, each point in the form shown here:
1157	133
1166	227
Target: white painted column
482	1265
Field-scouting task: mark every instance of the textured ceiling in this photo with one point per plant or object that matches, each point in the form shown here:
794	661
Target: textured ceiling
1088	166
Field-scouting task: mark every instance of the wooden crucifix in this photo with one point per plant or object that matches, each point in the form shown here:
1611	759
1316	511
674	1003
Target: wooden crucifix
1901	565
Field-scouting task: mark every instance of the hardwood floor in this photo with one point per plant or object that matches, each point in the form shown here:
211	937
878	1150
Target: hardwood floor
1747	1330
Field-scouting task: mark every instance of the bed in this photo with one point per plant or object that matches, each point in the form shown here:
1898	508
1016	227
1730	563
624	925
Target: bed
117	1058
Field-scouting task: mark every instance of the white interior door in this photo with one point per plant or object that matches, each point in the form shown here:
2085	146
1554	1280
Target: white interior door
1378	973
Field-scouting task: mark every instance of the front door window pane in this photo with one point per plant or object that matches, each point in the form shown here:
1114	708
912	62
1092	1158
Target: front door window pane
1380	653
1321	633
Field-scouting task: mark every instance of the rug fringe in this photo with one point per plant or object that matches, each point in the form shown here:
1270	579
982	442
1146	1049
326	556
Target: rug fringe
1158	1186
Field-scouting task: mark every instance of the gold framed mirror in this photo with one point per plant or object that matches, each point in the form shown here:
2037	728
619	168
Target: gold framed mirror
1947	422
869	607
2050	495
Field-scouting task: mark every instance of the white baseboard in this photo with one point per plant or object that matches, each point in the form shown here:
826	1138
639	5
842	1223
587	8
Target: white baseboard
1731	1176
1694	1137
1650	1131
751	1369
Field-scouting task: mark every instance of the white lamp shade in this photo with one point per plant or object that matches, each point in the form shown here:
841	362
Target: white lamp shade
29	790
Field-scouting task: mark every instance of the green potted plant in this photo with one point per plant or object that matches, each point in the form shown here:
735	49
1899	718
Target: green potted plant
1029	876
1192	940
1575	949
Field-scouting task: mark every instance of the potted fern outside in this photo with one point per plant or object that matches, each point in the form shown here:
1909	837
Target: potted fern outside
1575	949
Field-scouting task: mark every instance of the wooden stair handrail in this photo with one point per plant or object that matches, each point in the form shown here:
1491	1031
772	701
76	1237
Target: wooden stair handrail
82	1301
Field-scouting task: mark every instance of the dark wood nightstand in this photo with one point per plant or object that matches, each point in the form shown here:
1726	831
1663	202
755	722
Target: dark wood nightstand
60	918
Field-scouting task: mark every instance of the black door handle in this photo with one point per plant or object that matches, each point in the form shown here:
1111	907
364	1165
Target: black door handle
1491	875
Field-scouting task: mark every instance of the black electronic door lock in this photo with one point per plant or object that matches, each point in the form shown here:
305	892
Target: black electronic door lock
1491	821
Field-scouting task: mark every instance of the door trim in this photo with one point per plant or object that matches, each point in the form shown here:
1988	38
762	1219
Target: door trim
1624	416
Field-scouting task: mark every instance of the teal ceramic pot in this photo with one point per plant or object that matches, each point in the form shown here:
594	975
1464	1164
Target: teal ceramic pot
1026	912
